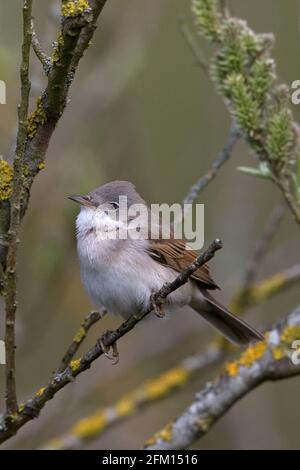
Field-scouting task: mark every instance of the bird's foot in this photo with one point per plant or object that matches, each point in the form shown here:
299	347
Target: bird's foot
157	306
114	354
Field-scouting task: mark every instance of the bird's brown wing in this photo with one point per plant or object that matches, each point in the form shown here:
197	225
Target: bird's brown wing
174	254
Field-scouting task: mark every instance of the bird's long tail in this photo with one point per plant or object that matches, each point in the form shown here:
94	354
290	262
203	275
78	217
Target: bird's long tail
232	327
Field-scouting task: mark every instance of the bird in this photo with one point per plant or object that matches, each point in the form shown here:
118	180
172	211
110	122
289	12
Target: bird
121	272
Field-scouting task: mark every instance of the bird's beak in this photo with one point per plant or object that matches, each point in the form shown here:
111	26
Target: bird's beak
83	200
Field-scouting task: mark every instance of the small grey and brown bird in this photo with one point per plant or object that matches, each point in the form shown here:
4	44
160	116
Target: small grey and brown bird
121	274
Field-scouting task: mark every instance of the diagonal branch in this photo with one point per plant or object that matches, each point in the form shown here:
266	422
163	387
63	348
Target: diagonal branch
145	394
171	380
10	286
222	157
269	360
87	323
10	424
36	46
263	244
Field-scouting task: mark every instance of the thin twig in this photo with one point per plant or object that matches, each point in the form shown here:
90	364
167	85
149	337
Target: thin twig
268	360
13	232
183	277
43	58
32	408
275	284
263	244
222	157
260	250
88	322
194	47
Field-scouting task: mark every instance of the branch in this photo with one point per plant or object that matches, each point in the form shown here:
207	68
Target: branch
43	58
222	157
263	243
77	28
87	323
10	283
172	380
246	291
267	360
144	395
263	290
245	76
10	424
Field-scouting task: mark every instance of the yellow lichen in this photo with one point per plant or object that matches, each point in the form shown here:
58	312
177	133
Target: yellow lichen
74	7
38	116
165	434
232	368
81	333
205	423
41	165
278	353
25	170
247	358
56	444
55	55
6	175
90	426
125	406
21	408
265	289
12	417
159	387
253	353
40	392
75	364
290	334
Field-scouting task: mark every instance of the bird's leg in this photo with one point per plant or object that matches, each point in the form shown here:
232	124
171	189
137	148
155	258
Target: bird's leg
157	305
114	356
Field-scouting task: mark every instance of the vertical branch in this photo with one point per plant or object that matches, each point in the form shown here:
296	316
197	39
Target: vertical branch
17	189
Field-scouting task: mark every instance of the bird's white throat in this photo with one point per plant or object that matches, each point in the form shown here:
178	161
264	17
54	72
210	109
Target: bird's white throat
91	219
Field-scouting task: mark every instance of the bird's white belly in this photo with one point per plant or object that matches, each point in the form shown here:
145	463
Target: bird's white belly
122	278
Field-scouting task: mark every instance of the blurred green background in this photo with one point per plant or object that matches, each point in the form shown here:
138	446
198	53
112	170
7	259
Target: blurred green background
141	109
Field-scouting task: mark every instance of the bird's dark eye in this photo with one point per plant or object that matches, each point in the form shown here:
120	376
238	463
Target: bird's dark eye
114	205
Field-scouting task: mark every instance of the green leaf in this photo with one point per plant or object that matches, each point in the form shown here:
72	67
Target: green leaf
262	171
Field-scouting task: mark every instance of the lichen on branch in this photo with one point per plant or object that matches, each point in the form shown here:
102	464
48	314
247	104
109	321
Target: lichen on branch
74	7
267	360
6	175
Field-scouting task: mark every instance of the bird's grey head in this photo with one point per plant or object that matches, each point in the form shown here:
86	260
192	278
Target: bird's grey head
106	208
109	194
